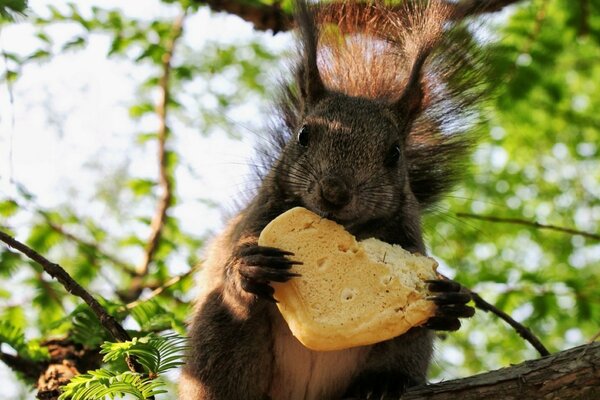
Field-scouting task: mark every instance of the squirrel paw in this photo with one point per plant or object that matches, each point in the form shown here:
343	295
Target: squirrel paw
260	265
451	301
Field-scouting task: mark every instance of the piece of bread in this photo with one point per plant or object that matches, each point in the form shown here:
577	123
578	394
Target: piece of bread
350	294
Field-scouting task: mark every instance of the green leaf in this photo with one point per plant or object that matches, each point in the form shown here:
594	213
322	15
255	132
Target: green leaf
8	208
15	338
86	327
75	43
152	317
43	36
139	110
38	55
157	354
101	383
141	187
10	9
10	261
10	76
145	137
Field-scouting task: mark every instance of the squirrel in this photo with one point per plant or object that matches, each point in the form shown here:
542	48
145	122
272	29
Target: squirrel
372	131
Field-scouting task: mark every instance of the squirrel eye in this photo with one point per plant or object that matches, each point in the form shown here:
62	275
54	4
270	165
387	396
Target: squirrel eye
393	156
303	136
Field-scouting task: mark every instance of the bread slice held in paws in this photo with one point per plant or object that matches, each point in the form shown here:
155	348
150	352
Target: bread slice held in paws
349	293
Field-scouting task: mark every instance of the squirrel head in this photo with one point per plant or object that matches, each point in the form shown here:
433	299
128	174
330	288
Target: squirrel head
347	158
347	161
378	118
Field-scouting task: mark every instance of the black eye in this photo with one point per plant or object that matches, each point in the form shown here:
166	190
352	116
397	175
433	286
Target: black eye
303	136
393	155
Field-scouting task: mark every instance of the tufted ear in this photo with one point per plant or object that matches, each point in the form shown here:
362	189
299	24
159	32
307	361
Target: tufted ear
410	104
311	85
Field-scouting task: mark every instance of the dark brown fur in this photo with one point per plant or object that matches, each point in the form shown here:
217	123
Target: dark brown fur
370	134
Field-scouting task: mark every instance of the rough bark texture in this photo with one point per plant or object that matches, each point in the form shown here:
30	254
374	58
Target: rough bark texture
67	359
571	374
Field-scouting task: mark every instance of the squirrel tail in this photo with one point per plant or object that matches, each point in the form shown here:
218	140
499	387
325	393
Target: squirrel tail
381	51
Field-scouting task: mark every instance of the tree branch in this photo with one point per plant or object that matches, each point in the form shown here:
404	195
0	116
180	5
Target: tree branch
263	17
91	246
572	374
584	13
531	224
164	202
522	330
160	289
58	273
30	369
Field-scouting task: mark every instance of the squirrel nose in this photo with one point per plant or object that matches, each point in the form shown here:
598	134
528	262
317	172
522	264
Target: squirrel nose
335	191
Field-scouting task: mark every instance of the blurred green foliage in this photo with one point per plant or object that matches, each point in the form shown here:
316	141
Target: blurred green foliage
537	161
11	9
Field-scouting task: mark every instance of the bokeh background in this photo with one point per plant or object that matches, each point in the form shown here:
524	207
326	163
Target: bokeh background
81	85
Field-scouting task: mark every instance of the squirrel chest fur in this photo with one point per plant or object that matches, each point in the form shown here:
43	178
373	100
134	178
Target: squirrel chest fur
371	132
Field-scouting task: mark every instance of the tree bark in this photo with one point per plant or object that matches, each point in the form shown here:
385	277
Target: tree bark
571	374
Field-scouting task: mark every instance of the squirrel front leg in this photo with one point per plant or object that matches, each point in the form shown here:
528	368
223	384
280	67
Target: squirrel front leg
230	354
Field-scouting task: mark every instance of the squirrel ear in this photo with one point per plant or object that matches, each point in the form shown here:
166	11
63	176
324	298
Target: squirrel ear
311	85
410	102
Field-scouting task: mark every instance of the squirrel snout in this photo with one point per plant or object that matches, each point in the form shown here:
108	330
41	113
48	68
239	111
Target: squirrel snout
334	191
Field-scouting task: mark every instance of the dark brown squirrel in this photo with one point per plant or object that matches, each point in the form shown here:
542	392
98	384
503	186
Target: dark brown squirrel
372	132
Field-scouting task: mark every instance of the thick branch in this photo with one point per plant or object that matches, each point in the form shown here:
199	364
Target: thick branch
531	224
569	375
28	368
164	202
58	273
263	17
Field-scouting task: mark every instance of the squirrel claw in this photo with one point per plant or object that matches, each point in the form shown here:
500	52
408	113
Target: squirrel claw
443	285
451	301
443	324
261	290
249	250
260	265
450	298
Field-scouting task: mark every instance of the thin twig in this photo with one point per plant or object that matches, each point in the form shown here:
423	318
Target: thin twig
57	272
531	224
164	202
91	246
161	289
523	331
584	14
